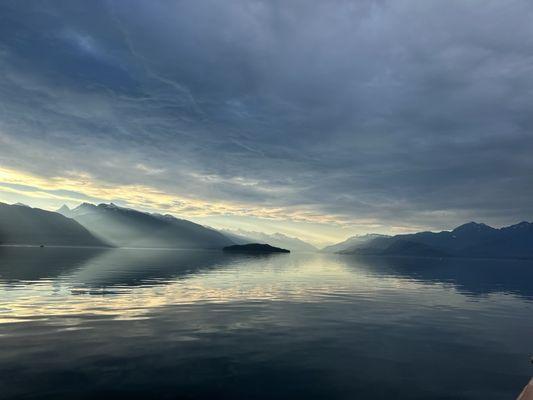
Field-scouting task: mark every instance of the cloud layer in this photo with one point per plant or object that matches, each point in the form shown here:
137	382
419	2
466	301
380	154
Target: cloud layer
379	115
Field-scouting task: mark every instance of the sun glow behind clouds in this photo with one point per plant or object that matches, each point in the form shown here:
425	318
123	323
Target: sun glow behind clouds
77	186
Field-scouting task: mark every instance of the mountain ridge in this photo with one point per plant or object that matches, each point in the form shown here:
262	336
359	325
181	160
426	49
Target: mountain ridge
23	225
127	227
277	239
352	241
468	240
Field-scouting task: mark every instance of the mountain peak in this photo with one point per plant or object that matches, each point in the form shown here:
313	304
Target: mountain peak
84	205
472	227
82	209
64	210
112	206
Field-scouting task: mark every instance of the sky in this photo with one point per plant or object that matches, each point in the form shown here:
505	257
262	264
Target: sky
316	119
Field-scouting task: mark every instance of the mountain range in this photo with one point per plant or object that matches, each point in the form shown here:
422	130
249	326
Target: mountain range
241	236
468	240
125	227
352	243
110	225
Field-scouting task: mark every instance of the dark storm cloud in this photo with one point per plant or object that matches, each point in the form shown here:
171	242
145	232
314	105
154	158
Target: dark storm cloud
406	112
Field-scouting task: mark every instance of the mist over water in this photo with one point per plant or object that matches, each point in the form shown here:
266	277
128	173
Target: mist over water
81	323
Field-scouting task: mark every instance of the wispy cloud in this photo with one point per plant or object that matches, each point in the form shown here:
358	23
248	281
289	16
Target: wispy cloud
372	115
79	187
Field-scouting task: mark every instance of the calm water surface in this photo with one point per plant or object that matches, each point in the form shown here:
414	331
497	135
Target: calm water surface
82	323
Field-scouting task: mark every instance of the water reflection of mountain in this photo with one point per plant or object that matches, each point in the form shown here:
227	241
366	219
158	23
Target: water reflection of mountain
34	263
93	268
135	267
98	267
469	276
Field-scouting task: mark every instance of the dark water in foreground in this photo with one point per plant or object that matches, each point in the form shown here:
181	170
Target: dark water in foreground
82	323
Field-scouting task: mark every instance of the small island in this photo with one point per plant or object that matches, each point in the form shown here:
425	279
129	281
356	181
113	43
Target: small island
255	248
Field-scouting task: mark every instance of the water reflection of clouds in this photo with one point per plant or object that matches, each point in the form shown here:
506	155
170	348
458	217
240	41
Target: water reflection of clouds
138	319
125	284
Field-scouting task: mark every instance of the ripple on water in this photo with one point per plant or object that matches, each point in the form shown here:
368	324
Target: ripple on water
312	324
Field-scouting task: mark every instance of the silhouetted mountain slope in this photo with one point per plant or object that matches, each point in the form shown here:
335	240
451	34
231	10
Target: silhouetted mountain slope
512	241
468	240
411	248
275	239
20	224
127	227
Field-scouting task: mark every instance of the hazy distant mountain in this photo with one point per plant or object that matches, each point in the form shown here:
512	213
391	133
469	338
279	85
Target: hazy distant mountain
131	228
21	224
65	210
256	248
276	239
468	240
352	243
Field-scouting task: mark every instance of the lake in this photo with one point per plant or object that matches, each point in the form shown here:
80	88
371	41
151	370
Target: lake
80	323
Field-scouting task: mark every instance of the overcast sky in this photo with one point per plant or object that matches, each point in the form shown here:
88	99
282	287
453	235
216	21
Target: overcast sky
318	119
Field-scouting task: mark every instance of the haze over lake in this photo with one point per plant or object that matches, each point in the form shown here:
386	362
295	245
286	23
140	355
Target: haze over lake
124	323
